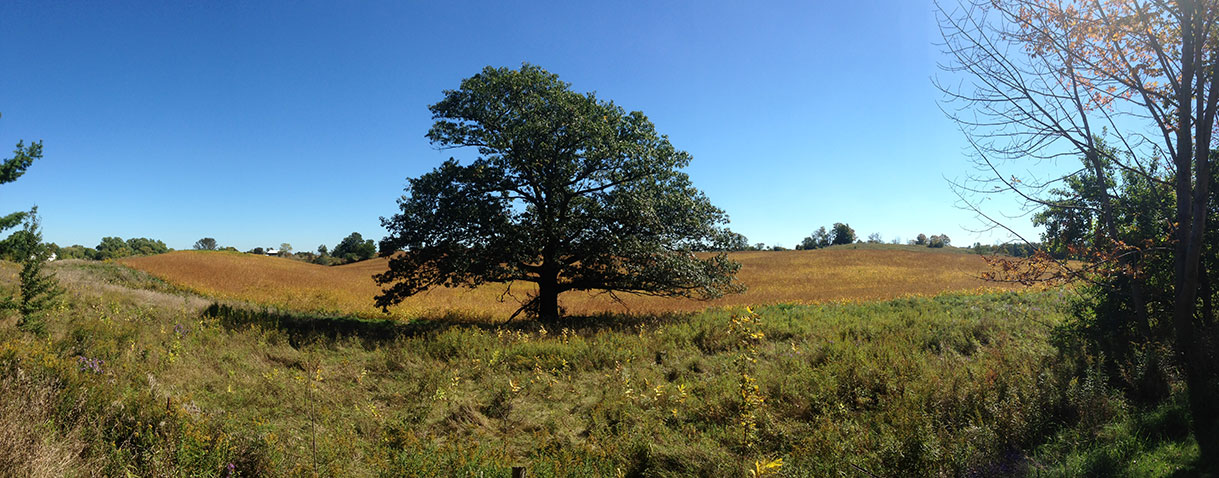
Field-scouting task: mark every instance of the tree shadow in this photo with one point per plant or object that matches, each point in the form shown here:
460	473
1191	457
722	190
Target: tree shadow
305	328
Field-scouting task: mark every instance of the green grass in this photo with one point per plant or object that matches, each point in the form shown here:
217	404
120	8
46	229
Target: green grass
1154	442
945	386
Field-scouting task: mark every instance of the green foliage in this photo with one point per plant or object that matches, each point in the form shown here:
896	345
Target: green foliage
354	248
819	239
37	291
205	244
23	156
570	192
76	251
841	234
1137	443
113	248
13	248
1010	249
1135	336
838	234
731	241
939	241
143	246
13	168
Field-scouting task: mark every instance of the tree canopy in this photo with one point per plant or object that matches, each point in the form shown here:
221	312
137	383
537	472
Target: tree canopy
205	244
143	246
11	169
842	234
354	248
817	240
839	233
569	192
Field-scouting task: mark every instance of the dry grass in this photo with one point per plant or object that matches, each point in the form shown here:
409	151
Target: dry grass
830	275
30	443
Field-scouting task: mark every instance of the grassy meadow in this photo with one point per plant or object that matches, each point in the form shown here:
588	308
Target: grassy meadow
143	377
839	274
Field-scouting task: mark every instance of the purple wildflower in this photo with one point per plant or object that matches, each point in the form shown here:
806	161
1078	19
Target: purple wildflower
86	364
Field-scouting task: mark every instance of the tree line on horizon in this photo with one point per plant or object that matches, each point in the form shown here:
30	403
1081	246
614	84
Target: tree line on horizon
352	248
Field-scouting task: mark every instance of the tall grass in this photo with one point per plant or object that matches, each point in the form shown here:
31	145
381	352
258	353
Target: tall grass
835	274
921	386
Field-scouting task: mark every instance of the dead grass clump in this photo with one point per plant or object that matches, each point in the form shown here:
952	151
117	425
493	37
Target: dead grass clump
30	445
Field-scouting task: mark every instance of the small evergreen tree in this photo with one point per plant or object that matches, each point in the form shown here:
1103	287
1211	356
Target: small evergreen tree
37	291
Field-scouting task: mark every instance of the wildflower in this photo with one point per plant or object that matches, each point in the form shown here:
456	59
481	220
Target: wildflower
85	364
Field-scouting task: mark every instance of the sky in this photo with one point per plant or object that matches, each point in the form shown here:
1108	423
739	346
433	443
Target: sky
261	123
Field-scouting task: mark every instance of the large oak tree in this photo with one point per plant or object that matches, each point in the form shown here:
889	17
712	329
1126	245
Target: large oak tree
568	192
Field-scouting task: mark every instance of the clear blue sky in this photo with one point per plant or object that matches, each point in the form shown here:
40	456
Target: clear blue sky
259	123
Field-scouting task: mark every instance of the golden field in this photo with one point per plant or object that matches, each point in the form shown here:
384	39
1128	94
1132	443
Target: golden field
826	275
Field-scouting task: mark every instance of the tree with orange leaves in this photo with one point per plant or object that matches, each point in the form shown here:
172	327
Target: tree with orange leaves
1130	88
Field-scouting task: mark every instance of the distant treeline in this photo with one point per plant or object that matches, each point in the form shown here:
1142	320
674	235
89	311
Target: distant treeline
354	247
351	249
110	248
842	233
1011	249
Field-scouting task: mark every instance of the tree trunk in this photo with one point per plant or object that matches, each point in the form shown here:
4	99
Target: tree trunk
547	305
1192	347
548	300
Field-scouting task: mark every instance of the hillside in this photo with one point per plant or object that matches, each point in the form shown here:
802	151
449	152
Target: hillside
835	274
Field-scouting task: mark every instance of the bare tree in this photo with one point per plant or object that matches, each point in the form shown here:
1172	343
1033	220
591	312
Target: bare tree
1130	89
